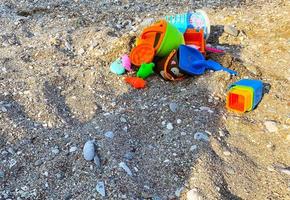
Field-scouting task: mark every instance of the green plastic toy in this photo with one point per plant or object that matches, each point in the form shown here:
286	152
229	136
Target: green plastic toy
145	70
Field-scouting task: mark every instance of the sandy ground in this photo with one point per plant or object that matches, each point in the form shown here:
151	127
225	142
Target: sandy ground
56	92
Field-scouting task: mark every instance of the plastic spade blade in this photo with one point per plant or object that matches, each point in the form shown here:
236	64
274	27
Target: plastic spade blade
210	64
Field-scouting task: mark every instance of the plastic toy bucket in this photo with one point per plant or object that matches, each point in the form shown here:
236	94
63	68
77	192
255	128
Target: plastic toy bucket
257	87
162	36
240	98
172	40
197	20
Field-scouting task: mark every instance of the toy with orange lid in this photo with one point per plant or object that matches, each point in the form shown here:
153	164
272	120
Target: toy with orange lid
196	39
158	39
244	95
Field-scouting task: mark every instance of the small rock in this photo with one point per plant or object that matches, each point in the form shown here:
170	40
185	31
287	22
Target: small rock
11	151
183	133
271	168
231	30
129	155
193	147
89	150
72	149
122	119
101	188
178	191
45	174
230	170
169	126
193	195
271	126
12	162
178	121
59	176
1	174
173	107
3	109
284	170
97	161
204	108
81	51
109	134
201	136
227	153
125	168
38	162
55	150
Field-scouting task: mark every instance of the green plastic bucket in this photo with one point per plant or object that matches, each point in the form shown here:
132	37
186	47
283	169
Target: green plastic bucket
172	40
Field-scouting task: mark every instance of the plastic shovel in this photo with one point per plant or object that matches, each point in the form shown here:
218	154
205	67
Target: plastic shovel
192	62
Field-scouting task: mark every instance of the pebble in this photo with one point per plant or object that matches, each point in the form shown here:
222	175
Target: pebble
201	136
55	150
227	153
129	155
100	187
178	191
1	174
3	109
109	134
204	108
271	126
59	176
193	195
169	126
72	149
193	147
89	150
38	162
125	168
173	107
81	51
284	170
178	121
11	151
97	161
122	119
231	30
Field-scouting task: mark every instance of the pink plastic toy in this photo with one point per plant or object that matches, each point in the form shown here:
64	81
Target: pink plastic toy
126	62
213	50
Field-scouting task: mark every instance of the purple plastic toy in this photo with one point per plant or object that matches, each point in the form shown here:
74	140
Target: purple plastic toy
126	62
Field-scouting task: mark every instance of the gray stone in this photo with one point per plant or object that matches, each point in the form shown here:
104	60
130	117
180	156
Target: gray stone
193	195
173	107
231	30
38	162
72	149
109	134
55	150
271	126
169	126
129	155
125	168
100	187
89	150
1	174
201	137
122	119
97	161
